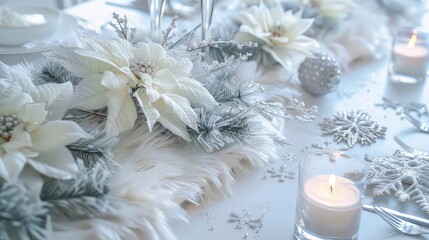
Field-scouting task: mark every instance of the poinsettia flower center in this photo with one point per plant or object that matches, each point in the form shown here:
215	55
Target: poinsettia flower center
275	31
8	123
141	65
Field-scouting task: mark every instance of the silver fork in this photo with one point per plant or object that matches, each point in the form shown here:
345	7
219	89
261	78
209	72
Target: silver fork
424	127
410	149
401	225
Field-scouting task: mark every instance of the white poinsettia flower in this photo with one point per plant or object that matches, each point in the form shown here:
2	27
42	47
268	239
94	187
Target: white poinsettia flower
55	95
279	33
26	138
159	81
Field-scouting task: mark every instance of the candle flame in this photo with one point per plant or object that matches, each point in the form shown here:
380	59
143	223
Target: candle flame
332	181
412	41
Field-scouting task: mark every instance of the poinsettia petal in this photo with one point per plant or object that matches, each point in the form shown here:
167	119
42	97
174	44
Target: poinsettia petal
57	98
11	165
165	79
151	113
179	64
122	112
300	27
13	103
195	92
20	140
90	94
19	74
3	170
9	88
141	49
82	62
152	94
247	35
33	112
55	134
116	50
179	106
112	81
156	52
58	163
277	58
172	122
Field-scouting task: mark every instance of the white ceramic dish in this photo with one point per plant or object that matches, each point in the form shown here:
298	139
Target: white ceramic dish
65	31
16	36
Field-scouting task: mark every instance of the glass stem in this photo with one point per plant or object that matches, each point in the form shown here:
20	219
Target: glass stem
156	9
207	8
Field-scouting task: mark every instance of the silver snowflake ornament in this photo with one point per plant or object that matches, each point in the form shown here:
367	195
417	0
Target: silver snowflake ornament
281	174
401	108
404	174
246	219
353	127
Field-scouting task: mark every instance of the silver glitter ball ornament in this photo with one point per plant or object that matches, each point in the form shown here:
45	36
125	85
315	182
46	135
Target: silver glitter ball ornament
320	74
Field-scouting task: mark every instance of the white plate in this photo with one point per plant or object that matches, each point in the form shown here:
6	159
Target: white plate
66	29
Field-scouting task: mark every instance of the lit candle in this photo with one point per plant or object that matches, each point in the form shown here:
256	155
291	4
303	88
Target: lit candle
410	58
331	206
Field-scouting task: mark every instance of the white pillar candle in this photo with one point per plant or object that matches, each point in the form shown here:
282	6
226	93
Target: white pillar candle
331	208
410	58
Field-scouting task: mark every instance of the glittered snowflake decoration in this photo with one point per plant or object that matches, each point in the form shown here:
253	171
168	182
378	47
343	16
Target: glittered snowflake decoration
353	127
281	174
246	219
403	174
290	157
326	148
401	108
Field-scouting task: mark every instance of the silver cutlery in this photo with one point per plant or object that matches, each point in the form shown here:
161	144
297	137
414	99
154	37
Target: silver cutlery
422	126
410	149
410	218
400	224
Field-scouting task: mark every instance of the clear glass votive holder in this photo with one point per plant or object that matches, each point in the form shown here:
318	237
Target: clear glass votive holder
409	56
329	200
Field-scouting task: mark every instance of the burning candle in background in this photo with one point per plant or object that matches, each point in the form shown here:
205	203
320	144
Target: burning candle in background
409	57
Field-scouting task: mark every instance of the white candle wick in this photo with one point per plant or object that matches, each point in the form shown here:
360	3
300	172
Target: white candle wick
332	182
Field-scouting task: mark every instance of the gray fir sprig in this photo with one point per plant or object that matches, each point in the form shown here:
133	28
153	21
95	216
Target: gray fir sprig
227	87
82	197
89	120
223	125
95	150
21	217
46	71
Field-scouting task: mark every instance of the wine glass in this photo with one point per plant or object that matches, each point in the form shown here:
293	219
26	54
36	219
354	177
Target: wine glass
207	8
156	10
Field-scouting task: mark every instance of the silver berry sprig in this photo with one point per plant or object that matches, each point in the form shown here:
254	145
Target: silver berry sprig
121	27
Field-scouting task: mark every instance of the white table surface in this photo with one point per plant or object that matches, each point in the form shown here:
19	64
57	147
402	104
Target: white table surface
361	87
